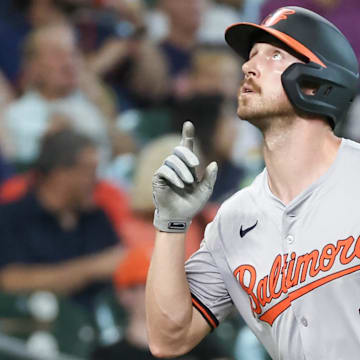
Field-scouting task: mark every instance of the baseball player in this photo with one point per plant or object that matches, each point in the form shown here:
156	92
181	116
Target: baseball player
285	251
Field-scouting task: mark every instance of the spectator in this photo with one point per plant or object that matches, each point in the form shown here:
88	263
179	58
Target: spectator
129	283
214	69
54	237
221	13
17	19
108	197
184	22
216	132
52	68
114	38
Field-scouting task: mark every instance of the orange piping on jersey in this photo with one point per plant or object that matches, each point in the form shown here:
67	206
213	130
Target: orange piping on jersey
204	312
285	274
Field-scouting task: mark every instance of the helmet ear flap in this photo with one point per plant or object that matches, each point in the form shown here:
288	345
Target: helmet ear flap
333	91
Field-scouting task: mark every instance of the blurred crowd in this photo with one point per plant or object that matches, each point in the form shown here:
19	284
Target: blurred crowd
93	95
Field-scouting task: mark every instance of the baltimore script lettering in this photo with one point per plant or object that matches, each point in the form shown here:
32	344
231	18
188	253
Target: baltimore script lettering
287	271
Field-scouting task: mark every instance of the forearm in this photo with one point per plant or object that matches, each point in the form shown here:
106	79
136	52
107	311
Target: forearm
61	278
111	54
174	328
168	300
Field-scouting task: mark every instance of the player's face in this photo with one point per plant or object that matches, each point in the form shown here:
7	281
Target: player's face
261	95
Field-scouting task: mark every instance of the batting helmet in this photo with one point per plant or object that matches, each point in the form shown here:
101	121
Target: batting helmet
331	63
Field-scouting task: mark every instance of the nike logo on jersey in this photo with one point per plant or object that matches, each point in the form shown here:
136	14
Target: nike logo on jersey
245	231
290	270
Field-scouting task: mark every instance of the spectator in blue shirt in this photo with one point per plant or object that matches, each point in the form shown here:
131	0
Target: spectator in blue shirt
54	237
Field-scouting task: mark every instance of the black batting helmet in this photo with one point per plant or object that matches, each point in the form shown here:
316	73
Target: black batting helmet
331	62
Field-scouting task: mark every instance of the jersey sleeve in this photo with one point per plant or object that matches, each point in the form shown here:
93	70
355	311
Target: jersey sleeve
209	294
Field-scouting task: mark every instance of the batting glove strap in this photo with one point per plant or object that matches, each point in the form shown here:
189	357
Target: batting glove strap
171	226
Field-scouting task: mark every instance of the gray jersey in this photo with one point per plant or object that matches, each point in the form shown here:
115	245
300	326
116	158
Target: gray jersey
293	272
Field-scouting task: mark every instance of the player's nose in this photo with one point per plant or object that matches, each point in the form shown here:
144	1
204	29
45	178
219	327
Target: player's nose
250	69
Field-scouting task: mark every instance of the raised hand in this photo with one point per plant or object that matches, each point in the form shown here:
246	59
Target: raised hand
177	193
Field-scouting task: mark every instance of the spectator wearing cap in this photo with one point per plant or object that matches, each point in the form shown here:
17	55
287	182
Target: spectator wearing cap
54	237
129	283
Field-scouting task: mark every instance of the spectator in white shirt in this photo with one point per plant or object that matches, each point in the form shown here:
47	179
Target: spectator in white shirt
52	68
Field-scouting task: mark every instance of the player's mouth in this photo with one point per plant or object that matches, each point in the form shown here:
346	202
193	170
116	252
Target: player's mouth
249	87
246	90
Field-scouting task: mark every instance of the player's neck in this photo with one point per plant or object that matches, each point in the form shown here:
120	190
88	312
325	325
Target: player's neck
297	156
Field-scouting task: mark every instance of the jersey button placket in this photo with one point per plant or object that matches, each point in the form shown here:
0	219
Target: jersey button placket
289	220
290	239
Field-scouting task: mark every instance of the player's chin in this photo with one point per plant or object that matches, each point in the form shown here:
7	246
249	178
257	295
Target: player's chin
257	118
250	113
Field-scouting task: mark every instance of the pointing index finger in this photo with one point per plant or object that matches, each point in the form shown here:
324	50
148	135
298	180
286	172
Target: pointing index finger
188	133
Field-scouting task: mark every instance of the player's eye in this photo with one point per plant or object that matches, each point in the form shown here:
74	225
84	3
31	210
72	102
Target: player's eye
276	55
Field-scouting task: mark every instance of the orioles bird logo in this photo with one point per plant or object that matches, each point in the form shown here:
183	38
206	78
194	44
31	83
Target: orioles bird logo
281	14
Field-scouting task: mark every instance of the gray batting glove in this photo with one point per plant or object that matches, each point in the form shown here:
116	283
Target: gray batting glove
178	195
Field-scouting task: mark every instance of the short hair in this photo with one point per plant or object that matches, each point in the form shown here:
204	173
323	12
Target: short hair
60	150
